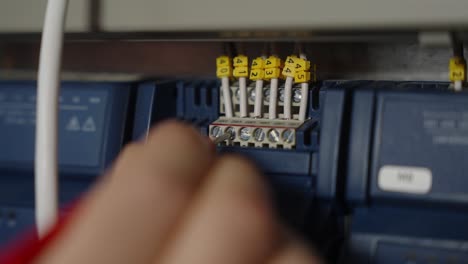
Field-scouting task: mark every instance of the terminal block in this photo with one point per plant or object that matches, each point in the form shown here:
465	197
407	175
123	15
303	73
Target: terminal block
257	133
290	164
262	132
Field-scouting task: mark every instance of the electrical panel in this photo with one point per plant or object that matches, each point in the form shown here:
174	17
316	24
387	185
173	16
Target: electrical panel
376	173
355	112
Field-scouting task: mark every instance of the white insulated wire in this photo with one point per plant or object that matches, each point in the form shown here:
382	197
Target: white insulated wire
226	96
46	175
304	96
273	98
304	101
458	86
258	98
243	96
288	97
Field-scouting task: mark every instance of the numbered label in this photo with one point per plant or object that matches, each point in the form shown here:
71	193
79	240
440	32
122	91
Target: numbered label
256	74
257	63
223	71
272	73
241	61
302	77
222	61
289	71
273	62
241	72
290	60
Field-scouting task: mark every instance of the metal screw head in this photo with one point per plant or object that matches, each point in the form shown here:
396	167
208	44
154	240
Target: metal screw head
216	131
281	94
232	131
252	95
245	134
288	136
259	134
273	135
266	95
297	95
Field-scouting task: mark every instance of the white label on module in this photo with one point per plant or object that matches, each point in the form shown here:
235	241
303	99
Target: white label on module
403	179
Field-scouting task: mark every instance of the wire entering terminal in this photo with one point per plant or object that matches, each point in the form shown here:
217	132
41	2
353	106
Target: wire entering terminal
266	104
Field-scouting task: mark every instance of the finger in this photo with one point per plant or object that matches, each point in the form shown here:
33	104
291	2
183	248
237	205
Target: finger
295	251
231	221
126	217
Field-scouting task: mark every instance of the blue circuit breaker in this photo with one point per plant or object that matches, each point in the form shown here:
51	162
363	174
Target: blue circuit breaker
92	118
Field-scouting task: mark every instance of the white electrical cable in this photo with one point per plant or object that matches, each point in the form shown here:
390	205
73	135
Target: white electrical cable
227	96
287	97
273	98
46	179
243	96
258	98
458	86
304	96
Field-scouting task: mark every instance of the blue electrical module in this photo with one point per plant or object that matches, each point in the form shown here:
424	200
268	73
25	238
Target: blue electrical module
327	186
405	173
291	172
375	174
92	118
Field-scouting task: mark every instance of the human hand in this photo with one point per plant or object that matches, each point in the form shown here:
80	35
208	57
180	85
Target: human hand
170	200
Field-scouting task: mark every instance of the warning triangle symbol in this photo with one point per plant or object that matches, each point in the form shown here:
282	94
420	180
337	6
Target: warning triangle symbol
89	125
73	124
